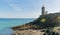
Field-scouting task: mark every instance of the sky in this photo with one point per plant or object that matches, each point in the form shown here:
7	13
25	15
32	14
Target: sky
27	8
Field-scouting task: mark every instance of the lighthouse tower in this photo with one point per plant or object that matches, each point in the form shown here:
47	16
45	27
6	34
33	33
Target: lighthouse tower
43	10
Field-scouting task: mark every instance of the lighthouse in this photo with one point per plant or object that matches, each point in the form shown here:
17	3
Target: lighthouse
43	10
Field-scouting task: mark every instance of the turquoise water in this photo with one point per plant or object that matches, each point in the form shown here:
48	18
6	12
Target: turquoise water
6	24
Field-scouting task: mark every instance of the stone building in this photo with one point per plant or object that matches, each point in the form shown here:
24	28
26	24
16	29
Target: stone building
45	21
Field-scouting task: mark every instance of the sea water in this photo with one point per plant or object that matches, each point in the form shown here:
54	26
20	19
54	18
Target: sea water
6	24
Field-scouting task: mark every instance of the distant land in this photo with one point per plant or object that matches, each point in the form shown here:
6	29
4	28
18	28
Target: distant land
16	18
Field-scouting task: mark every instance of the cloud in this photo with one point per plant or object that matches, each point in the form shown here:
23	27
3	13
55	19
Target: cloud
19	12
15	7
23	9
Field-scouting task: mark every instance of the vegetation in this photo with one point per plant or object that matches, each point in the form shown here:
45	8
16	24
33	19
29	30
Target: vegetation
45	21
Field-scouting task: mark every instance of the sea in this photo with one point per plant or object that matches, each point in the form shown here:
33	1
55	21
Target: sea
7	23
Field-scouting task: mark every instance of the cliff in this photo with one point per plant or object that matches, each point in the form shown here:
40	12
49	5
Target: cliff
44	21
